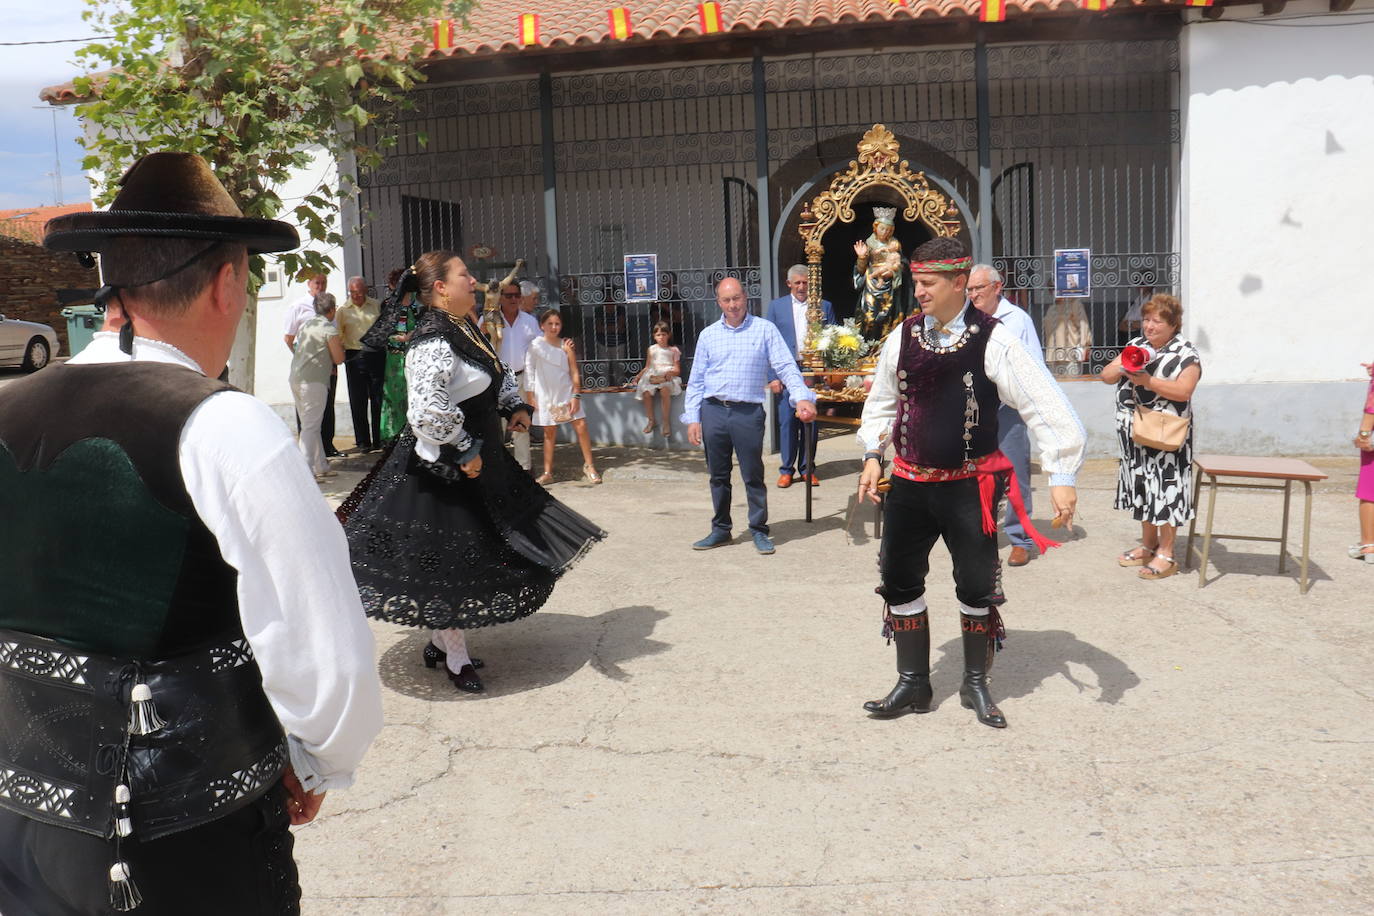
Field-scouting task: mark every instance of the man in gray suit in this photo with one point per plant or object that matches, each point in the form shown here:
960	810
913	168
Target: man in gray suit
788	314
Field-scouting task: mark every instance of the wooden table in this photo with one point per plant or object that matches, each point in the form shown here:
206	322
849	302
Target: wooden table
1284	471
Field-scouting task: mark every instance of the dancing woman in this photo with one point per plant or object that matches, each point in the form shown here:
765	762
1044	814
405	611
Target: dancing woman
448	533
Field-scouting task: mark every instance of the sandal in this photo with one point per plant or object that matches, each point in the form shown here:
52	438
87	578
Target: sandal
1357	551
591	473
1130	559
666	430
1149	572
648	427
544	479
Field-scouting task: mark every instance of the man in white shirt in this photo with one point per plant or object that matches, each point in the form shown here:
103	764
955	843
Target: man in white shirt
217	673
788	314
985	292
518	328
935	395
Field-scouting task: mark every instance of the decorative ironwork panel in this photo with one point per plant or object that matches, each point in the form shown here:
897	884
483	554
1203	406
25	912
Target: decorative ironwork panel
612	335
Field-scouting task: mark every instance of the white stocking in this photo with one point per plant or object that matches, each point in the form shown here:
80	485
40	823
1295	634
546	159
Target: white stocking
909	608
455	643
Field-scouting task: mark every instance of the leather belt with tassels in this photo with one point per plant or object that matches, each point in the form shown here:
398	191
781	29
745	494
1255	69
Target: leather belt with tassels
115	746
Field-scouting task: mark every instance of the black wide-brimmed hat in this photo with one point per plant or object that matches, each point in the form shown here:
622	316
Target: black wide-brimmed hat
167	196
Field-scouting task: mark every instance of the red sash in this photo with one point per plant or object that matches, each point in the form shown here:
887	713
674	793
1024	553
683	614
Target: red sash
987	469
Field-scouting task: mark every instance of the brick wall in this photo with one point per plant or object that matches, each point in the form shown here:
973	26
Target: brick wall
30	277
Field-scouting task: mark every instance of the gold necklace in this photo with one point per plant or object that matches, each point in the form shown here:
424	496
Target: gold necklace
477	337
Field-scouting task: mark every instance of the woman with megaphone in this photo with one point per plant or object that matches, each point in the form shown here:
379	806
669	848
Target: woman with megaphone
1155	376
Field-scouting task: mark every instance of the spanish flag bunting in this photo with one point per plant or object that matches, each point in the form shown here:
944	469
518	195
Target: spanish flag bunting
1095	6
620	23
709	14
897	2
993	11
529	29
1199	2
443	34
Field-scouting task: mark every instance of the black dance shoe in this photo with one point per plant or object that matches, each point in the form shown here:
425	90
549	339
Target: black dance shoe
466	680
433	655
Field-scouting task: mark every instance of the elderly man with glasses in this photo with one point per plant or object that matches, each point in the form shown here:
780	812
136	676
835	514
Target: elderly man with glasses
518	328
985	292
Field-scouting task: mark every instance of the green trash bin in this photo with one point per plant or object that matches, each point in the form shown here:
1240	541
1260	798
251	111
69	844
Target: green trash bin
82	323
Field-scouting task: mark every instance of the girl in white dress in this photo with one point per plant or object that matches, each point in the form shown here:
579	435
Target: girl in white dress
555	387
661	376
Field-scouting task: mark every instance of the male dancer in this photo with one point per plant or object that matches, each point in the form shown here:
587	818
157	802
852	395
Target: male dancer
936	389
185	669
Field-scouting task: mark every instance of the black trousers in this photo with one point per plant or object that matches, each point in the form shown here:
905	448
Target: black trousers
327	424
914	515
364	401
735	428
239	865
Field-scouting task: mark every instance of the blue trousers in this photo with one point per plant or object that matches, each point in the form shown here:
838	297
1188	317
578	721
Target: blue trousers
1014	440
790	442
735	428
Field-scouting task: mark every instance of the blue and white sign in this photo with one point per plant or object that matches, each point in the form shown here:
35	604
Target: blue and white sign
1072	274
641	277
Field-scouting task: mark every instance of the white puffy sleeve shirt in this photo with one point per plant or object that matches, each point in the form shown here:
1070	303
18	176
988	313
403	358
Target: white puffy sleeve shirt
298	602
437	381
1023	383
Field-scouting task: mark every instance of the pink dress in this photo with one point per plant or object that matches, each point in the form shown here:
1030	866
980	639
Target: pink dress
1364	488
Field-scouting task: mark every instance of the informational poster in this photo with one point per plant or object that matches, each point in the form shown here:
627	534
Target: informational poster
641	277
1072	278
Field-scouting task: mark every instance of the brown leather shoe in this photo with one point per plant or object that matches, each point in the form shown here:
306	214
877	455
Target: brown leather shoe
1020	556
815	481
784	481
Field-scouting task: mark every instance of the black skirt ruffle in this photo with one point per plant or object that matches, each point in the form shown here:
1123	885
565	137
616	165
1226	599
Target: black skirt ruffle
439	553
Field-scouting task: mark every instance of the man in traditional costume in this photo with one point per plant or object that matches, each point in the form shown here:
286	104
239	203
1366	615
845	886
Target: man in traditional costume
936	390
185	668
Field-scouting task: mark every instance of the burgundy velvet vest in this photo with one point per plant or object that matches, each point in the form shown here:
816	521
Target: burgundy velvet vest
946	405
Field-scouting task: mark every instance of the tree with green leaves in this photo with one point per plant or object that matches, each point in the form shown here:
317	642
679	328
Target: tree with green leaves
252	86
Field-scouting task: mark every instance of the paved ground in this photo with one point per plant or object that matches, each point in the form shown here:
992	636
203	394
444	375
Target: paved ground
681	732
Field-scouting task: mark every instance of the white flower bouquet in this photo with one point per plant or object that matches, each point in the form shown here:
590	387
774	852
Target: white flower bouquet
841	346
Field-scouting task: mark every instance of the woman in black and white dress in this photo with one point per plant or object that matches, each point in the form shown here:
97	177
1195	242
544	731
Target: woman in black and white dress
448	533
1156	486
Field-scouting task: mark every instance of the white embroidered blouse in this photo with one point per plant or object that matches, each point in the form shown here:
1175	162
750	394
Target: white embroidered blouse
437	381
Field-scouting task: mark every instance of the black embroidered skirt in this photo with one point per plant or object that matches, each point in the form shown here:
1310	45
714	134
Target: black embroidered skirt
438	553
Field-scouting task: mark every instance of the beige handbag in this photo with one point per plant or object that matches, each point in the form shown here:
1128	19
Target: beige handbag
1158	430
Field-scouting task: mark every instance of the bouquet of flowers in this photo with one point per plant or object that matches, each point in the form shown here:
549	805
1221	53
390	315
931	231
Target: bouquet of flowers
841	346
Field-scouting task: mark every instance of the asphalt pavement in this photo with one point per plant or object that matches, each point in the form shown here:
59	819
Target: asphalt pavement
681	731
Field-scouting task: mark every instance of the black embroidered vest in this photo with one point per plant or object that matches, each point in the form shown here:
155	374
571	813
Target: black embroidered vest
112	583
946	404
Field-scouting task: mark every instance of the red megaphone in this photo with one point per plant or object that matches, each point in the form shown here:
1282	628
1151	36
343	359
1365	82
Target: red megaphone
1135	359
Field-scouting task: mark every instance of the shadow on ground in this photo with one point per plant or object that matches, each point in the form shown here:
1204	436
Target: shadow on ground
536	652
1031	657
1222	562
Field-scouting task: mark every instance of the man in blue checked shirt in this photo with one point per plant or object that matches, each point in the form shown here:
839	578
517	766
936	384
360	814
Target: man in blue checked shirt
725	407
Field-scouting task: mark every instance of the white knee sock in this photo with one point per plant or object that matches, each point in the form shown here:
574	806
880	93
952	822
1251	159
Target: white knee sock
909	608
972	611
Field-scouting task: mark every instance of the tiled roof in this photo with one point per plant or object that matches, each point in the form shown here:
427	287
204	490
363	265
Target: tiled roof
27	223
494	27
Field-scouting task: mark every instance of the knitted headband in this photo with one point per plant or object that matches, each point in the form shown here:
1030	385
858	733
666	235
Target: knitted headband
947	265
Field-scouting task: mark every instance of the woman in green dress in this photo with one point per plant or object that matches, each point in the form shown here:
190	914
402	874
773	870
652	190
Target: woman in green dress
394	382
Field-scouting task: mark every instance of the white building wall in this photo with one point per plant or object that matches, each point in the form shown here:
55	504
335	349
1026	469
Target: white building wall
273	360
1278	142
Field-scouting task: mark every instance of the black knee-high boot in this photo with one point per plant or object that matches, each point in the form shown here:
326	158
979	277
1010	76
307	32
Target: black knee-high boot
978	649
912	693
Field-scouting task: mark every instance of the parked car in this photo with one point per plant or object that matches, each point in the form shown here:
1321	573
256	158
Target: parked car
26	343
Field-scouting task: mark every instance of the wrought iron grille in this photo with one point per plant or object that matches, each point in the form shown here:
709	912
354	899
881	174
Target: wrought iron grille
612	335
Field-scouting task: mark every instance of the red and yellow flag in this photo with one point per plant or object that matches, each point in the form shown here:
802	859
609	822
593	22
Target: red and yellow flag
529	29
993	11
443	34
1199	2
709	14
621	28
1094	6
